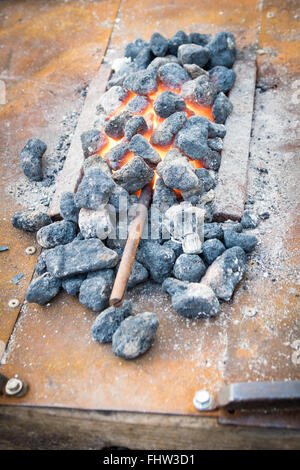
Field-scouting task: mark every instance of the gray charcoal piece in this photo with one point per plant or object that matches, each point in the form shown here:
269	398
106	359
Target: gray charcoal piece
245	241
96	161
189	268
201	91
223	78
68	209
159	45
135	125
168	103
225	272
142	148
137	104
172	75
43	289
175	246
193	54
158	259
31	220
215	130
72	284
31	159
135	335
58	233
213	230
194	70
205	178
142	82
177	40
174	286
215	144
249	219
92	141
134	175
163	135
178	173
108	321
112	99
231	225
163	197
133	48
117	154
40	266
159	61
95	290
79	256
138	274
95	189
222	50
211	249
143	58
192	139
200	39
119	199
222	108
115	127
212	161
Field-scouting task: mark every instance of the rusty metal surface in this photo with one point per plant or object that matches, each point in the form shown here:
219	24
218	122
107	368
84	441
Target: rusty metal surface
51	347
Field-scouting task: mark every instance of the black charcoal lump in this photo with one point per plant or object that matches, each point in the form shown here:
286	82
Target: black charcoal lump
222	107
137	104
40	266
133	48
177	172
135	335
225	272
189	268
222	50
158	259
31	159
112	99
134	175
159	45
168	103
156	63
68	209
163	197
211	249
163	135
95	189
177	40
135	125
245	241
95	290
201	91
213	230
115	127
142	82
96	161
79	256
193	54
143	58
172	75
92	141
192	138
72	284
107	323
117	154
198	38
223	78
249	219
194	70
58	233
43	289
31	220
205	178
175	246
141	147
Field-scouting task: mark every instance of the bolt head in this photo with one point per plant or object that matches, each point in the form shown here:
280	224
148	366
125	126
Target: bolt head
13	386
202	400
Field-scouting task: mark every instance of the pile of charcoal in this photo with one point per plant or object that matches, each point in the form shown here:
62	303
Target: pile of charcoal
198	262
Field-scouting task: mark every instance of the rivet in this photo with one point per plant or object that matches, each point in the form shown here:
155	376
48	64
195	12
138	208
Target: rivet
202	400
13	303
13	386
30	250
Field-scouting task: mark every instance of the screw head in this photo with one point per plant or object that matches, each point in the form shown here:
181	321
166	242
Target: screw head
202	400
13	386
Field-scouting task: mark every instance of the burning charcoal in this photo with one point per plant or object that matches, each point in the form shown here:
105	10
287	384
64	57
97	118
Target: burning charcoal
134	175
164	134
95	189
223	78
117	154
216	130
232	226
200	39
58	233
31	220
213	230
222	50
194	70
168	103
109	321
177	40
141	147
135	125
119	199
172	75
95	223
137	105
212	161
68	209
175	246
163	197
122	68
133	48
40	266
189	268
201	91
31	159
159	260
222	108
96	161
72	284
43	289
79	256
215	144
159	45
160	61
193	54
143	58
177	172
225	272
135	335
192	139
92	141
205	178
249	219
112	99
211	249
142	82
95	290
247	242
115	127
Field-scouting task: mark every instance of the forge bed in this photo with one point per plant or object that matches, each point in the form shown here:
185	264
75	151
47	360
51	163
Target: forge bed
81	395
